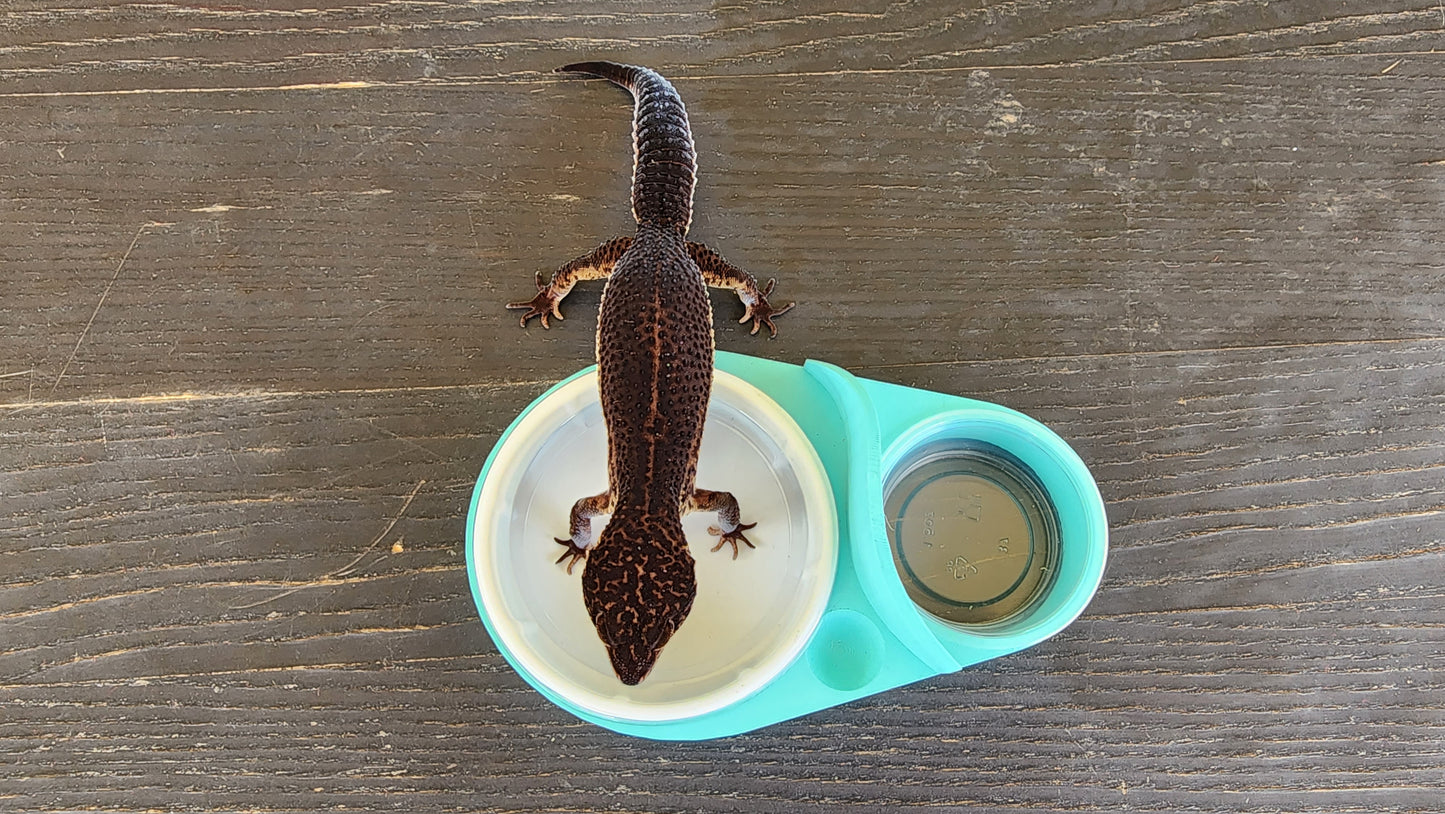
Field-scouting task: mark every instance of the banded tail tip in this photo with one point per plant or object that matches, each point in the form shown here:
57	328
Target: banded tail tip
596	67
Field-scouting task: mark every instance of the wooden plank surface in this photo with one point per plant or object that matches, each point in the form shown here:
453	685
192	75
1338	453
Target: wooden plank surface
1078	210
254	356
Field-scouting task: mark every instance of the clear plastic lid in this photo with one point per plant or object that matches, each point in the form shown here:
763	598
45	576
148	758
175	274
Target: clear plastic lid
973	535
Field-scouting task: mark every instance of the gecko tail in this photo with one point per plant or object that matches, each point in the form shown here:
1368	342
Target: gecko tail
624	75
664	170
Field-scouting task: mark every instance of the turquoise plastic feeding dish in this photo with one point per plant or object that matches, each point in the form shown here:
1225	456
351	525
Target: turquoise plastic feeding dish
900	534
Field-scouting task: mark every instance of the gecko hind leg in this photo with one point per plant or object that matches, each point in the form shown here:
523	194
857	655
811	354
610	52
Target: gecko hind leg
580	527
729	529
719	273
593	265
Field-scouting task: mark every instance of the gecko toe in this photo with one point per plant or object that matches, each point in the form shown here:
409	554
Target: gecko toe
574	551
732	538
543	305
762	313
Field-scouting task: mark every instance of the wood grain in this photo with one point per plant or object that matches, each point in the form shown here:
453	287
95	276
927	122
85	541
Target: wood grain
1267	637
341	239
254	355
55	46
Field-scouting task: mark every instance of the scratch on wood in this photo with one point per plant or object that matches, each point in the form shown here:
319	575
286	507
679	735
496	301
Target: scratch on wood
263	395
1021	66
65	606
351	85
1276	568
546	77
103	294
424	450
218	208
363	192
373	312
345	570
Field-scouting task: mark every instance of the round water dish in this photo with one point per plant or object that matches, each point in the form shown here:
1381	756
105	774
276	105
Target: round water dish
974	537
752	616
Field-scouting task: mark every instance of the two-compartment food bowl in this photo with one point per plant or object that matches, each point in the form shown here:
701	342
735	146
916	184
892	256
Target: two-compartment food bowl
900	534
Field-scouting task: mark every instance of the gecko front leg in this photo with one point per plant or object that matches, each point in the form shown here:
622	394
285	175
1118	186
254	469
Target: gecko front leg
594	265
580	526
729	529
719	273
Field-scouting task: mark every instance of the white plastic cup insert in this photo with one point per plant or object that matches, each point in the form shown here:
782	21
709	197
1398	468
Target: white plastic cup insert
752	615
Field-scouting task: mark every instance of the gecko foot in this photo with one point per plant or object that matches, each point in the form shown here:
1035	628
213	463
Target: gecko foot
762	313
731	537
574	551
545	304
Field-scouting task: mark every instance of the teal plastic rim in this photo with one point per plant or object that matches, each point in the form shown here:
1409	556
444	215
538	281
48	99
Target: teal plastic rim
871	636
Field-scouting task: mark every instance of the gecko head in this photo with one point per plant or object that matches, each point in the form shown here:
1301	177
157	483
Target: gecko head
638	586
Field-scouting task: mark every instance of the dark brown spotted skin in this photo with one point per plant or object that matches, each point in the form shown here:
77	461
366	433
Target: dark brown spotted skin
654	357
638	587
655	362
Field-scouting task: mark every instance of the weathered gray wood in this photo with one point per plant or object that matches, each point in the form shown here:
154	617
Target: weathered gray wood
253	356
1267	637
60	45
351	238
